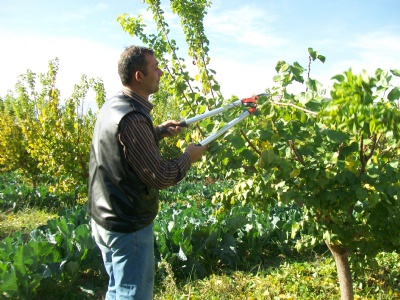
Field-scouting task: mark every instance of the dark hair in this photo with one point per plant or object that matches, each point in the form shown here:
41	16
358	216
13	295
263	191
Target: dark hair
132	59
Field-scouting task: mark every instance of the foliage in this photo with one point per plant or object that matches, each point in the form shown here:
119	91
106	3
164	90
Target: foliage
340	168
165	110
193	241
54	255
16	194
48	136
330	165
193	94
336	158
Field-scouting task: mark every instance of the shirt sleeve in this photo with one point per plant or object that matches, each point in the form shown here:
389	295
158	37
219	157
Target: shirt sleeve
143	154
158	132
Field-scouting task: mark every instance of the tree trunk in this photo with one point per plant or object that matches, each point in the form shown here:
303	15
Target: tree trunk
343	270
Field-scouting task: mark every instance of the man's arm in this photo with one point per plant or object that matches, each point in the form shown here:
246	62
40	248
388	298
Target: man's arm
143	155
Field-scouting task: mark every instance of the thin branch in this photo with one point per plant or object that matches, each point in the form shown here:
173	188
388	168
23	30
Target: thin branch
340	148
365	158
362	155
295	106
187	101
376	141
250	143
175	54
207	72
298	156
179	64
309	69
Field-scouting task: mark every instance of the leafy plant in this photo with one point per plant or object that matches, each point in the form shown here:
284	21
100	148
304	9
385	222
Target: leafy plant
196	237
54	253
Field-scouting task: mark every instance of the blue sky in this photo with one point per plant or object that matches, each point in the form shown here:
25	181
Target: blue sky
247	38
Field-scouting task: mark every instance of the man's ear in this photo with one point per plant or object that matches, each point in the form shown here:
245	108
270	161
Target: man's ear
138	76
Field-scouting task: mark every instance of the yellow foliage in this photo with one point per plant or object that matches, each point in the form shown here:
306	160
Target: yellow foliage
351	164
295	173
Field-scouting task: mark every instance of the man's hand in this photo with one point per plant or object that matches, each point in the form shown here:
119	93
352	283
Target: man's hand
195	151
171	128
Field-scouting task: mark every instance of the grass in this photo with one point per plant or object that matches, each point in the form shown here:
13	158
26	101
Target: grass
314	278
23	221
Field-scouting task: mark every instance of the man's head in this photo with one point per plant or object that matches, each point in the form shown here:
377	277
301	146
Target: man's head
138	69
132	59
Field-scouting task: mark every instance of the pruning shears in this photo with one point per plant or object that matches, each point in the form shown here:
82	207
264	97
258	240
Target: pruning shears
250	102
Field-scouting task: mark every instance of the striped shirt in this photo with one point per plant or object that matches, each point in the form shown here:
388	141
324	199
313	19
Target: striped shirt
142	153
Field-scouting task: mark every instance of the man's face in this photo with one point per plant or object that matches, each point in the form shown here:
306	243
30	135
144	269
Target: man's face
151	81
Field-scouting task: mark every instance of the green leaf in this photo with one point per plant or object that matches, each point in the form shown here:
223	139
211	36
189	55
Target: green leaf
394	94
268	157
395	72
216	88
336	136
338	77
279	77
372	126
327	236
237	141
313	85
321	58
279	65
304	97
71	268
361	194
9	280
373	199
181	86
83	238
283	68
249	155
312	53
275	138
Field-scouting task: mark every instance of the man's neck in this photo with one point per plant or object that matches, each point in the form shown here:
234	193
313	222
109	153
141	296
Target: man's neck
147	105
136	91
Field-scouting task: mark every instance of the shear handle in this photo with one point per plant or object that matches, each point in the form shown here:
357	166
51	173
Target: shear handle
164	129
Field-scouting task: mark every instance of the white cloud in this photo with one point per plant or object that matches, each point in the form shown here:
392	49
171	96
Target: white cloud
246	25
378	41
244	43
101	7
242	79
76	57
378	49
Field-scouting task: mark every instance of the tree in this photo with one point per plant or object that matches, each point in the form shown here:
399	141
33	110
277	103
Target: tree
340	165
336	157
46	138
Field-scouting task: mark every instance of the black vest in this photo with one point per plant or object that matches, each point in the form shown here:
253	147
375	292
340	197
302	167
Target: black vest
118	199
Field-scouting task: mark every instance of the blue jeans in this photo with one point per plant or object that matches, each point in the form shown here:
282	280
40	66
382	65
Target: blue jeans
129	262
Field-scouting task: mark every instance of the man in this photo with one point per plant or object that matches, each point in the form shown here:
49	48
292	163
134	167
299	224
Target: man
126	171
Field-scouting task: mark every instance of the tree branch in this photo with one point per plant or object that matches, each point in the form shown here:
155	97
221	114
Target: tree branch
376	141
340	148
362	155
295	106
250	143
298	156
